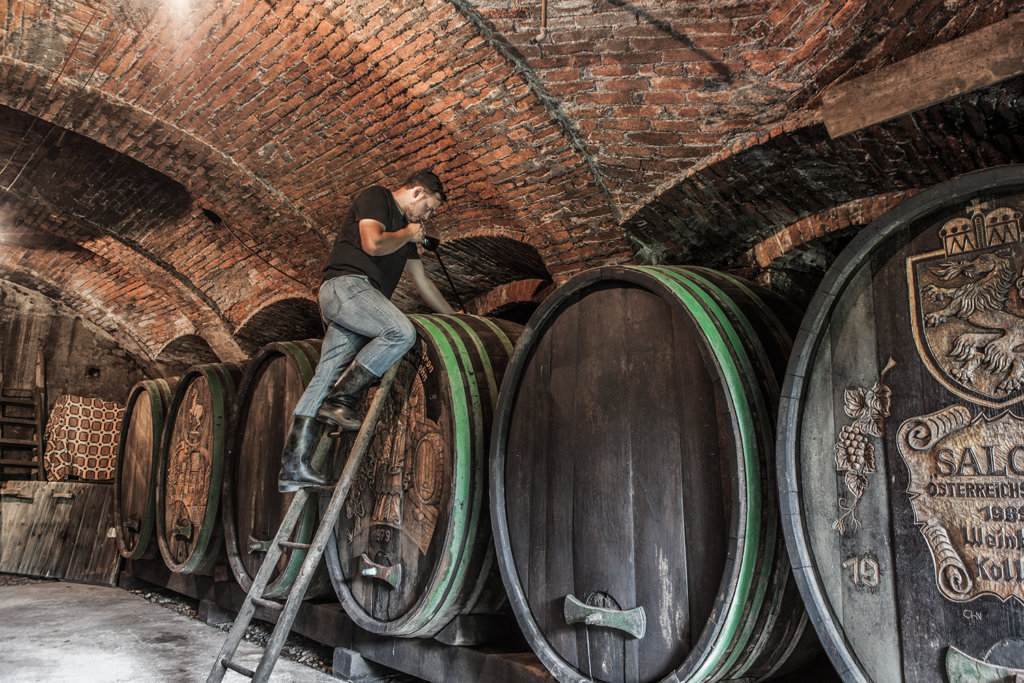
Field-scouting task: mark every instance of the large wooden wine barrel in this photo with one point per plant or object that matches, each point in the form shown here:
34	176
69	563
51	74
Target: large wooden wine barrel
191	467
632	480
901	464
135	474
413	548
253	507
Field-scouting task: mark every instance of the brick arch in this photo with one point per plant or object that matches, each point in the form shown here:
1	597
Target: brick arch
79	196
484	259
811	229
273	114
506	168
793	260
529	243
79	176
212	178
110	284
284	319
163	243
181	353
106	291
656	89
717	212
73	282
514	301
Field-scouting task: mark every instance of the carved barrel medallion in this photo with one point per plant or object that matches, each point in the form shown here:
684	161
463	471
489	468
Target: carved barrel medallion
967	312
188	470
412	549
191	467
966	305
397	496
967	492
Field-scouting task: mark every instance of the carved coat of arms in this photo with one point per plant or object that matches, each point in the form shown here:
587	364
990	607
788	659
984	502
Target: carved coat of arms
967	306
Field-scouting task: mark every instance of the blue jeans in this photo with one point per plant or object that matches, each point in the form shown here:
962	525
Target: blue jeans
362	326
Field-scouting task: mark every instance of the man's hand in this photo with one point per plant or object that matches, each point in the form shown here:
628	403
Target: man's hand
416	232
376	241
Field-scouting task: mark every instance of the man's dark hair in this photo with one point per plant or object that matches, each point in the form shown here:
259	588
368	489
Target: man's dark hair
428	181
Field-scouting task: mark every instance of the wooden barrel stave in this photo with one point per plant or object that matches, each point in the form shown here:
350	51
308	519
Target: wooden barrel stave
474	358
135	477
760	345
431	515
253	506
758	618
750	577
731	336
191	467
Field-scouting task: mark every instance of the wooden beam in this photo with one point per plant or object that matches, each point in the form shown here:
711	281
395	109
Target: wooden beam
973	61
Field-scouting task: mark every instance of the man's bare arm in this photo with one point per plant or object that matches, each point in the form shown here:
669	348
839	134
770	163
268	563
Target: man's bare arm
428	290
376	241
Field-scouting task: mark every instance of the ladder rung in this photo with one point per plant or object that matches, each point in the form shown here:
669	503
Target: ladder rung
295	546
269	604
237	668
10	462
18	420
19	442
16	401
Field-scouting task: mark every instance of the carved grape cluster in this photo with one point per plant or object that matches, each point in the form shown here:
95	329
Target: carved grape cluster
854	450
855	454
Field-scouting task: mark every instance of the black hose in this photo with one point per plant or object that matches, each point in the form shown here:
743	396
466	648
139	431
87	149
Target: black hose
431	244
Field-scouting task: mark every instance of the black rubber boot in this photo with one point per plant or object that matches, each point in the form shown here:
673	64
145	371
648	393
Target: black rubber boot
339	408
296	472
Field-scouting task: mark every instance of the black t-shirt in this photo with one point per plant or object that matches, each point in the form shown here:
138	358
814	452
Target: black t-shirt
347	256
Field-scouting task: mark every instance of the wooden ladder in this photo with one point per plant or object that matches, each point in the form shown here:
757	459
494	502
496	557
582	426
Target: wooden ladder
314	551
35	421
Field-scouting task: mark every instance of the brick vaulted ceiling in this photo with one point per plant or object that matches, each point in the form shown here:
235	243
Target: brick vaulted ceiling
177	168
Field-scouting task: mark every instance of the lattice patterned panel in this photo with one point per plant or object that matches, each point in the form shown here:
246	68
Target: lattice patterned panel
81	438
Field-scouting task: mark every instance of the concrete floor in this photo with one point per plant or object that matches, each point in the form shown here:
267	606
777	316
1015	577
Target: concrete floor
54	631
57	632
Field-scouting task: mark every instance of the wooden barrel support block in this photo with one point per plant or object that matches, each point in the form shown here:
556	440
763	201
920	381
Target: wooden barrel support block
253	506
191	467
632	495
135	476
413	549
901	439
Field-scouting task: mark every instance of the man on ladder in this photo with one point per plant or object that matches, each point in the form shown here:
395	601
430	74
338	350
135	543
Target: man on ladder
366	334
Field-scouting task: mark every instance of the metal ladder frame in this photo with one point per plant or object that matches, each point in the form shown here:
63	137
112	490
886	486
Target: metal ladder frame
314	551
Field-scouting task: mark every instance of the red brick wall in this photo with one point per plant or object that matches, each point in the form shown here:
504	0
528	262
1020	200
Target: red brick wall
642	130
